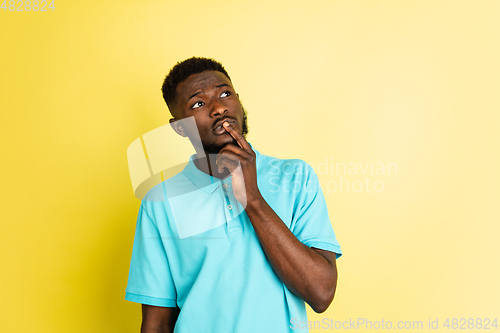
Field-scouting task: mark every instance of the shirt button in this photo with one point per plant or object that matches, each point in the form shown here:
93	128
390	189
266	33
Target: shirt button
225	185
230	207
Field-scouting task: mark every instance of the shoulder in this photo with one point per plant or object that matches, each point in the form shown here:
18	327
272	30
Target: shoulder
166	189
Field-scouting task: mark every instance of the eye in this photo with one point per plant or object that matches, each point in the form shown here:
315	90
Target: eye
197	105
225	94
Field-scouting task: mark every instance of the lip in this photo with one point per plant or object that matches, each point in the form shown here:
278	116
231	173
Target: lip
219	129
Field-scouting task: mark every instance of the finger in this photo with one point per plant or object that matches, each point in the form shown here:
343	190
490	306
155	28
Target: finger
236	135
228	161
233	149
228	154
235	152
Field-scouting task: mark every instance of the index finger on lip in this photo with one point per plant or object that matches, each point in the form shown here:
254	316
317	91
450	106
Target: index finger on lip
236	135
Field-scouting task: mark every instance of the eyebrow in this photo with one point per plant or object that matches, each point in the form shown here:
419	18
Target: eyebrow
199	92
195	94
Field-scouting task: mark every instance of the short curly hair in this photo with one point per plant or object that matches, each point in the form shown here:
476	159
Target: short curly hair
184	69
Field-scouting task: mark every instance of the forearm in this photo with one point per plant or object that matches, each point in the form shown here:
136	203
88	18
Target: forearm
304	271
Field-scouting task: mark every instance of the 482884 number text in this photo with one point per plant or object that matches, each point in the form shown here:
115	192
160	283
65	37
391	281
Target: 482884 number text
27	5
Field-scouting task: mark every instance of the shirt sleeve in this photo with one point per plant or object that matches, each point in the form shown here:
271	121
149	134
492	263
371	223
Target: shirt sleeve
311	223
150	280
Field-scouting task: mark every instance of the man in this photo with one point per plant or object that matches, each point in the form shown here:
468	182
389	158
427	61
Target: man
238	240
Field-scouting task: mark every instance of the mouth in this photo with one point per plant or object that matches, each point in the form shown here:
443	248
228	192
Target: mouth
219	129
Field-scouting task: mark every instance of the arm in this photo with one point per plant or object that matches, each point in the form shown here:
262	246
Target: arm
157	319
309	273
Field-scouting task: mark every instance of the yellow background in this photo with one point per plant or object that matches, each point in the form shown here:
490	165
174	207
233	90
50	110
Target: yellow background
414	83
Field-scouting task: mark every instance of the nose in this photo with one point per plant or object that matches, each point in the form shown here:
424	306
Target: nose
217	108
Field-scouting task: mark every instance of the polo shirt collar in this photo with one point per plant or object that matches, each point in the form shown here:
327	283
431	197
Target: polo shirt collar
205	182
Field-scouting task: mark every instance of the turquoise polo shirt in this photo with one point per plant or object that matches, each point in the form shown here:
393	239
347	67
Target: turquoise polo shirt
195	248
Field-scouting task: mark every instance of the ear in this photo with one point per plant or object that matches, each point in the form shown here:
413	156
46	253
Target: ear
177	127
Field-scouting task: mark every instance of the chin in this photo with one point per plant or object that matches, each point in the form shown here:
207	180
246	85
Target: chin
215	147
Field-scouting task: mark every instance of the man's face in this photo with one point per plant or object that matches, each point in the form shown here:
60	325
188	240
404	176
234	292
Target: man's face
210	98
